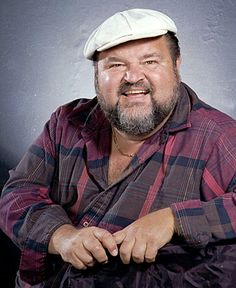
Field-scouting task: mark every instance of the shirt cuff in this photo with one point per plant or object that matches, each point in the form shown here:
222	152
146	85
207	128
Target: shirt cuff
35	265
191	223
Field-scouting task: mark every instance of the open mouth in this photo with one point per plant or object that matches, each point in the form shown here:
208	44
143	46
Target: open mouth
135	92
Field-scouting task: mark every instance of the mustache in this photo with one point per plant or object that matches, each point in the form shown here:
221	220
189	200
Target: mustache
127	86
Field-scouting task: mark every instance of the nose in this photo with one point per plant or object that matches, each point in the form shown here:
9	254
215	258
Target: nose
133	74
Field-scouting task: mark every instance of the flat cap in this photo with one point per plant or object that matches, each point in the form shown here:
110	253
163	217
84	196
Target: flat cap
125	26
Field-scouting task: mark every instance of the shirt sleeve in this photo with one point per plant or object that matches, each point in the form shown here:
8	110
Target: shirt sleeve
28	215
212	218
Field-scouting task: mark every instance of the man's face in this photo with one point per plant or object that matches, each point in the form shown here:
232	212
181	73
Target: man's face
137	84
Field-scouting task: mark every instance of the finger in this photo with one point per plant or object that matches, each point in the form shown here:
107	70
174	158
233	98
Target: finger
138	252
85	257
79	257
126	249
151	253
91	263
107	240
96	249
77	263
119	237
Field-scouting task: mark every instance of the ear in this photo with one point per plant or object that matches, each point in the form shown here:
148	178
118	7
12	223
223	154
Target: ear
178	63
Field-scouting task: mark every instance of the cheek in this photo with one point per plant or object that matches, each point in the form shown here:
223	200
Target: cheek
164	86
104	78
105	82
108	84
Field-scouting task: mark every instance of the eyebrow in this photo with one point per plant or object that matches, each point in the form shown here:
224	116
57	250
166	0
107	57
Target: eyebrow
114	59
118	59
151	55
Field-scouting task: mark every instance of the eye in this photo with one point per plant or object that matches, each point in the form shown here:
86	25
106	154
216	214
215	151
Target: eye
151	62
116	65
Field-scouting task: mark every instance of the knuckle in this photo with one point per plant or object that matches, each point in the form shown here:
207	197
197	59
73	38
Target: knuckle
137	259
79	265
125	247
99	253
87	259
86	242
151	257
150	260
136	255
125	260
125	257
108	238
83	231
90	263
96	249
89	243
67	256
102	258
123	254
99	232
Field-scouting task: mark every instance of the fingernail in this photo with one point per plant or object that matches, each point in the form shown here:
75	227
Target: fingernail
114	252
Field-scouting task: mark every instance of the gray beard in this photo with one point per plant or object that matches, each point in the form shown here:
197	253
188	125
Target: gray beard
141	125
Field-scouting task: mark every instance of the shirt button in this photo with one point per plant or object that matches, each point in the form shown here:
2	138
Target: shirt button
85	224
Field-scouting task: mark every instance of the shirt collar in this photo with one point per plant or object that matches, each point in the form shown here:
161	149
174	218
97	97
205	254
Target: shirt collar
180	119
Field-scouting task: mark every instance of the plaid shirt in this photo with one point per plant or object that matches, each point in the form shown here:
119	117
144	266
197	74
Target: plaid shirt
189	166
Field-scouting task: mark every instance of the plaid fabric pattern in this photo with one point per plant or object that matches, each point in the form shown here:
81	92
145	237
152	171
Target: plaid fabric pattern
189	165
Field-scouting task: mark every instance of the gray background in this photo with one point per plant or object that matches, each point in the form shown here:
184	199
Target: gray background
42	66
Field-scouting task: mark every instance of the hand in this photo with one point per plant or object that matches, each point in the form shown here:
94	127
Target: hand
81	247
142	239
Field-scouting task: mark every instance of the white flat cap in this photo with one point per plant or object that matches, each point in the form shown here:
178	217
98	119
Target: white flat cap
126	26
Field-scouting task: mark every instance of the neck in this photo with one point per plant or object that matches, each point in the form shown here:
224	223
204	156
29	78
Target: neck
127	145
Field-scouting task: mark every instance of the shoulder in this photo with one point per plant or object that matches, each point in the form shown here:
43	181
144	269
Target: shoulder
206	116
79	113
210	118
76	108
67	123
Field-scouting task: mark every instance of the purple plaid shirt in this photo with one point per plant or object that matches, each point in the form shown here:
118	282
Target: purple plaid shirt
189	165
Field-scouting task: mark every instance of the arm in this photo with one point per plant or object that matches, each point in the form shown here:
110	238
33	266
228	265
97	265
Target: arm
210	218
27	213
201	222
32	207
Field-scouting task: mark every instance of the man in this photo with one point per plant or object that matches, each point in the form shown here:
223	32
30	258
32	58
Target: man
134	188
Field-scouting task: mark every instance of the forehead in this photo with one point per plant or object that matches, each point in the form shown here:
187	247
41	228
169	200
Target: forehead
138	48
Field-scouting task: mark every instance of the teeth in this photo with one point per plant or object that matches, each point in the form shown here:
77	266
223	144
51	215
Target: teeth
136	92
